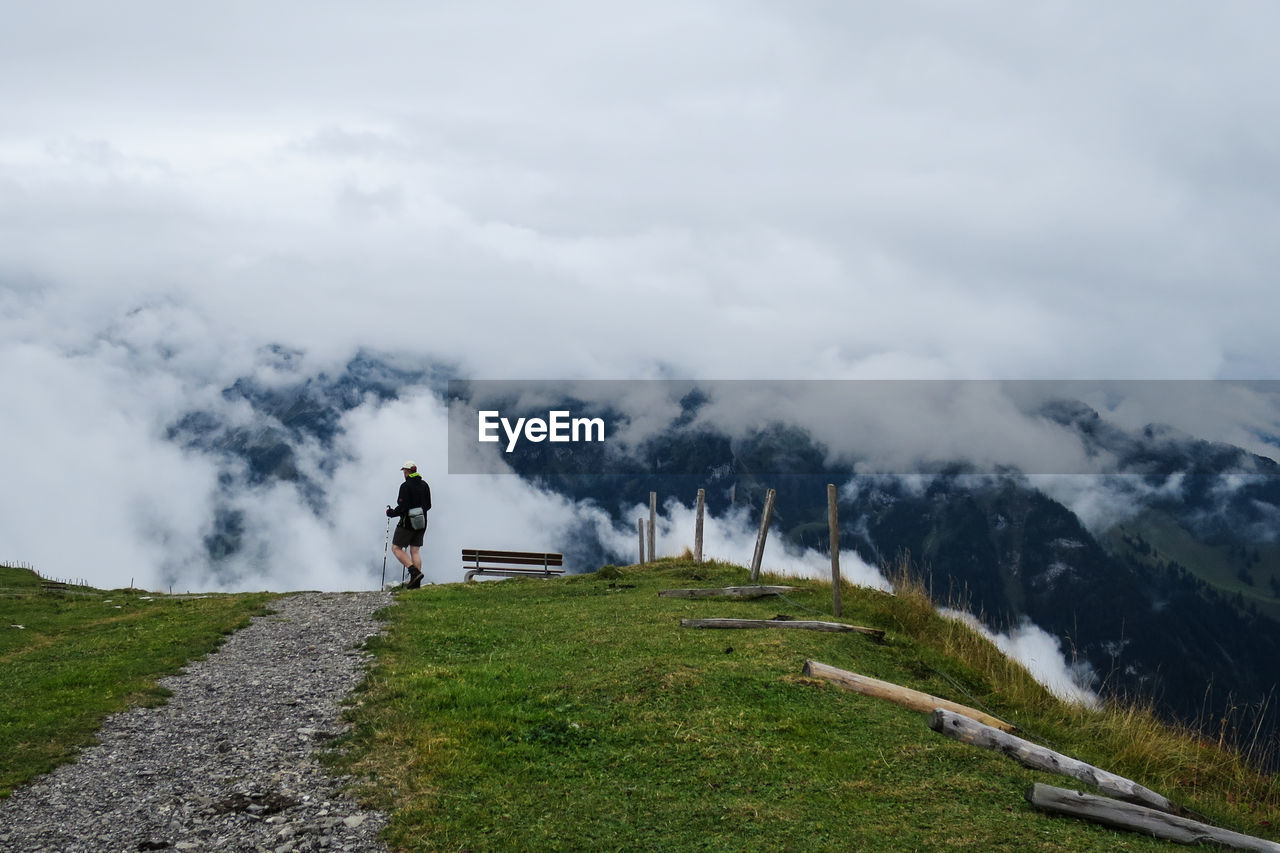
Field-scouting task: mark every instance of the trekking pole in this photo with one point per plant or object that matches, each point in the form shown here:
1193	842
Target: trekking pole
384	555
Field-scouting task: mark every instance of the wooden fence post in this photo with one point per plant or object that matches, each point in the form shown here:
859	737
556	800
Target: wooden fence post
697	526
640	532
653	523
763	534
833	522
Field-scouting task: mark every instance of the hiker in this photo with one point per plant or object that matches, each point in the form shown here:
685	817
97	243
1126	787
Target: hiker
411	507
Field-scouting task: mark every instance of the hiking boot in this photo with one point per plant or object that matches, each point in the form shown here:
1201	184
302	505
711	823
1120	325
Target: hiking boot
415	580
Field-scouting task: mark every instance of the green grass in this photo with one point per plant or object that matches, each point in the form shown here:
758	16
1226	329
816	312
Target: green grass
84	654
1213	564
576	714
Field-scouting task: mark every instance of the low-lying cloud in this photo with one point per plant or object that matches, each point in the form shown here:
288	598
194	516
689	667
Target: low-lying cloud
1041	653
779	192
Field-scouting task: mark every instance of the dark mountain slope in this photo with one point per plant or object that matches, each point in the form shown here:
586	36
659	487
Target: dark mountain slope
1183	621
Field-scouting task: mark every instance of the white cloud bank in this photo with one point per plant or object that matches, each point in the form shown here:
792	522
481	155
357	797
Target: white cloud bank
578	190
1041	653
730	191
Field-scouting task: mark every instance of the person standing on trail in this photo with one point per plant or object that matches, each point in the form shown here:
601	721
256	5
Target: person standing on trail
411	508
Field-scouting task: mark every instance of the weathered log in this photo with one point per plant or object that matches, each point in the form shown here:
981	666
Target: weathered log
802	624
727	592
1135	818
1037	757
916	700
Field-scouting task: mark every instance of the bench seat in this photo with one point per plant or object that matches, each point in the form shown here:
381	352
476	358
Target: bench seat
510	564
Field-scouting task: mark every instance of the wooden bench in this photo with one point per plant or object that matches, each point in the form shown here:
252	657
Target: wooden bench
53	586
510	564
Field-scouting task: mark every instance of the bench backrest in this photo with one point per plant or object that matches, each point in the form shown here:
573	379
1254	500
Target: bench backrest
475	556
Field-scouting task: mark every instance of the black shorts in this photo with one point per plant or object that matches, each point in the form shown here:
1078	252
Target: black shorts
405	537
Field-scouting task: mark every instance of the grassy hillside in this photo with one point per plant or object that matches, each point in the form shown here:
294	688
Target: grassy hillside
1252	572
67	660
576	714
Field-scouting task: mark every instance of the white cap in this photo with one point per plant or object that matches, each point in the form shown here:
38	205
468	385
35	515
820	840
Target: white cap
409	466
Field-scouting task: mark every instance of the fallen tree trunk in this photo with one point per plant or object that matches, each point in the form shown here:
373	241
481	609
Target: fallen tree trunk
1137	818
916	700
802	624
726	592
1028	754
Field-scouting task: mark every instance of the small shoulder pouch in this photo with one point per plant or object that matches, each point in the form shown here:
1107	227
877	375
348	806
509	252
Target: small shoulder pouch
417	518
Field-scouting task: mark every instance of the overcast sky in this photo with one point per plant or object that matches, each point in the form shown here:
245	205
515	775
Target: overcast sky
583	189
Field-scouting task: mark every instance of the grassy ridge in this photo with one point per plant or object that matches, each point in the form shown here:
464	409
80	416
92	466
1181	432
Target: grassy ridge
576	714
78	657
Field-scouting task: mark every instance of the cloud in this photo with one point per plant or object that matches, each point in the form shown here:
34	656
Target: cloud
569	191
934	193
91	490
1041	653
1102	502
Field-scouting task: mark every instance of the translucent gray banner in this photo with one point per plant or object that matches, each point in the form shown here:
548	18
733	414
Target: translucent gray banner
695	427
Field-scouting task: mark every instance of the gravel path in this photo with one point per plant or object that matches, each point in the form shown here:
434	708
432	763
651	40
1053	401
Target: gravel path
227	764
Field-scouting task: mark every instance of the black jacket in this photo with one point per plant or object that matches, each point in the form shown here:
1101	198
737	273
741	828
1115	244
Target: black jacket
413	492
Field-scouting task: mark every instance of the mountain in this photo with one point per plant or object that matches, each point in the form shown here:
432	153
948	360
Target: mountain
1168	593
263	431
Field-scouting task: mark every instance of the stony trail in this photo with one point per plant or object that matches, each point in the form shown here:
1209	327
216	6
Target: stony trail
227	764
